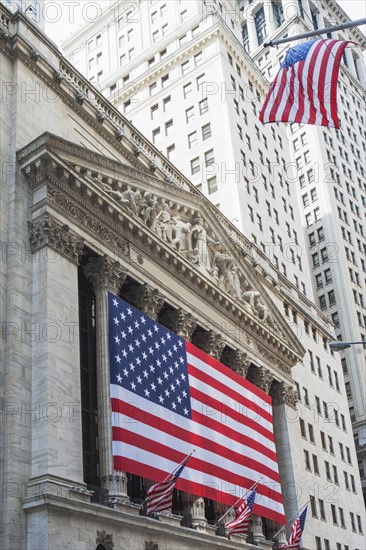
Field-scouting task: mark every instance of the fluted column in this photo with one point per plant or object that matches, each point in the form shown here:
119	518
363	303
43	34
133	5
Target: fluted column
105	275
257	528
183	324
149	301
212	344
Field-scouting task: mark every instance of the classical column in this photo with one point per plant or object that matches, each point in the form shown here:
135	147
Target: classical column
105	275
149	301
269	15
257	528
183	324
55	411
212	344
285	424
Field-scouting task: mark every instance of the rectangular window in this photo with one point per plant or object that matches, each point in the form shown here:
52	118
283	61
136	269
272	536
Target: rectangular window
187	89
209	157
190	114
203	105
307	460
206	131
192	140
212	185
195	165
322	509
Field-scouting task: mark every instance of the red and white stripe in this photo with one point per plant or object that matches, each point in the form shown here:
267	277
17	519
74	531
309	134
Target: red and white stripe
306	92
160	497
231	430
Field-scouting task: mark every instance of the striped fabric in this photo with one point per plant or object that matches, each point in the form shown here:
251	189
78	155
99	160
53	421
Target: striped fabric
169	397
305	88
239	525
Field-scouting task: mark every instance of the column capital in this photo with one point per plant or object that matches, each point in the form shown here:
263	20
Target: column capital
181	322
237	360
210	342
103	273
284	394
262	378
47	231
150	300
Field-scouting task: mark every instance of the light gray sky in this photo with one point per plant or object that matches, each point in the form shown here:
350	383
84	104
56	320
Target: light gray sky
65	16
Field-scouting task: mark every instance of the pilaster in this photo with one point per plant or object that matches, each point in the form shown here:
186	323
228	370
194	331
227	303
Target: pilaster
55	411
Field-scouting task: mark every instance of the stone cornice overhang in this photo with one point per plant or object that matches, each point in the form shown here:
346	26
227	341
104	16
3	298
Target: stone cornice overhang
83	202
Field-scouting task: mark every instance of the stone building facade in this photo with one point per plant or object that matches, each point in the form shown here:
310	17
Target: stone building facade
85	206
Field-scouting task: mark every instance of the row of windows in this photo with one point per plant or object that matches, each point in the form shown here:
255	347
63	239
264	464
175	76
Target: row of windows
323	408
331	471
209	159
318	510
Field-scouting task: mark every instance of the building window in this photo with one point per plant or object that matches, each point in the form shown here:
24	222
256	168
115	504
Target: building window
203	106
190	114
195	165
322	509
211	185
307	460
192	140
206	131
209	157
260	25
187	89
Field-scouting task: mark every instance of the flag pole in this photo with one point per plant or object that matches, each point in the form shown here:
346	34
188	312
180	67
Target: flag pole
171	474
239	499
291	518
347	25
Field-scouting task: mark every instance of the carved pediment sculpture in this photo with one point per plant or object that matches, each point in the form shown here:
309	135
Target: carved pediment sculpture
190	236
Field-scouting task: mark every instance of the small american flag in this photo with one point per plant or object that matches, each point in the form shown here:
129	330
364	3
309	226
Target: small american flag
239	525
160	495
169	397
297	529
305	88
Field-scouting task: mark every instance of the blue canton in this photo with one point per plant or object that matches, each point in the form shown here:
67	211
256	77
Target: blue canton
147	359
296	54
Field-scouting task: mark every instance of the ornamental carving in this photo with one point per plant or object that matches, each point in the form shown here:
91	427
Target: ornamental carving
147	299
106	539
237	360
181	322
262	378
46	231
150	545
102	272
189	235
284	394
210	342
272	359
89	222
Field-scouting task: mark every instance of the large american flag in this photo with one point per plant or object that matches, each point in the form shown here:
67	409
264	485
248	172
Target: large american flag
297	529
239	525
169	397
305	89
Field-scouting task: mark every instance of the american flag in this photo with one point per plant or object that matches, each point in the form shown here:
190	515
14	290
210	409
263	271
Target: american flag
168	397
305	88
160	495
297	529
239	525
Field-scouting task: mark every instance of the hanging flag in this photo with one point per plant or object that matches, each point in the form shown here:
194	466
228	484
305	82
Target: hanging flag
297	529
160	495
239	525
305	89
168	397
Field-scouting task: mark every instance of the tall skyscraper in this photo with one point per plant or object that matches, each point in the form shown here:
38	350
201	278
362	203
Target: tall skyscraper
188	75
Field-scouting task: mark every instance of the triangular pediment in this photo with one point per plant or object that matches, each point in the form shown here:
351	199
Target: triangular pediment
181	221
